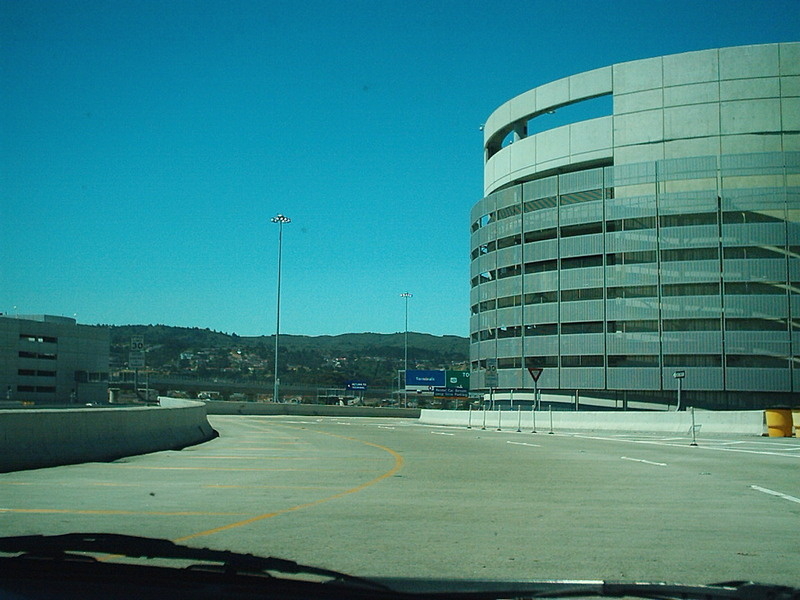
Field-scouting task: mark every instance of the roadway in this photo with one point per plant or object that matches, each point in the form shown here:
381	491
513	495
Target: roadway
392	497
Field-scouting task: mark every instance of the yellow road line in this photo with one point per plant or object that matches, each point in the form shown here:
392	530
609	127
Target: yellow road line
316	458
69	483
143	467
67	511
398	464
267	448
277	442
271	487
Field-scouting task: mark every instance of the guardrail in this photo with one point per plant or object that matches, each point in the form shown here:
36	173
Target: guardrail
36	438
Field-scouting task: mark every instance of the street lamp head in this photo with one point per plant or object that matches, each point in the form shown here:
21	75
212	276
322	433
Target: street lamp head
406	295
281	219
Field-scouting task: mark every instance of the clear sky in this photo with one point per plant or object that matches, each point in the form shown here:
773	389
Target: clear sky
145	145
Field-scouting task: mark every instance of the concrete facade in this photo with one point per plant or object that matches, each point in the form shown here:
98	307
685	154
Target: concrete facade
661	237
52	360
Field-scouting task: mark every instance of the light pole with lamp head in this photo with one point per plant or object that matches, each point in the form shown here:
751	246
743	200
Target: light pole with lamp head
405	295
280	220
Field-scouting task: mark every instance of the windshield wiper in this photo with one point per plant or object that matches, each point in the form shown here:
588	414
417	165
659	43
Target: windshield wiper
58	546
530	590
741	590
62	546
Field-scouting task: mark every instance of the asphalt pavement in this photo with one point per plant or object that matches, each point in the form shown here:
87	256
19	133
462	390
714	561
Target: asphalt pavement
392	497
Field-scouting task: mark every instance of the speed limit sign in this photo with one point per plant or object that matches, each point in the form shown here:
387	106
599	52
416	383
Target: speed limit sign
137	342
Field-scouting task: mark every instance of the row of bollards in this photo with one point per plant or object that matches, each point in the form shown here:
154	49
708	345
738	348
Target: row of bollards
519	419
550	411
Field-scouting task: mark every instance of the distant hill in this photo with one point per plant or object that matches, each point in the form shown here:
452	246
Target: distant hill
322	360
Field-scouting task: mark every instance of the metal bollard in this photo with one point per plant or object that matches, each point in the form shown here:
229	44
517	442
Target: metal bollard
551	419
533	416
484	417
519	419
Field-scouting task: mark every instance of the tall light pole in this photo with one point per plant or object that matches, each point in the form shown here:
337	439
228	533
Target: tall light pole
405	295
280	220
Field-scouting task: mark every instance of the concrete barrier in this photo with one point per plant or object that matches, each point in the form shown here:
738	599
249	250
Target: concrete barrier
36	438
744	422
218	407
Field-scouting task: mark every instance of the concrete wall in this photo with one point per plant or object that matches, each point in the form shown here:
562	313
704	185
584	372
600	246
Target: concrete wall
691	104
745	422
32	439
317	410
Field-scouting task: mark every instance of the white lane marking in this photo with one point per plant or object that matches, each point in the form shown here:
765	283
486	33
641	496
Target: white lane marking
708	444
774	493
384	427
636	437
647	462
523	444
441	433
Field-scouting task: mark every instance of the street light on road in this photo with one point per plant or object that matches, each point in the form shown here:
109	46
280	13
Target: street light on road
280	220
405	295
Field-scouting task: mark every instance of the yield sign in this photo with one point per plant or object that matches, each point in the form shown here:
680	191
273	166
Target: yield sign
535	372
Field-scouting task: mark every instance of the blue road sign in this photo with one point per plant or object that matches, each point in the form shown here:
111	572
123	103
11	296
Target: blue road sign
425	379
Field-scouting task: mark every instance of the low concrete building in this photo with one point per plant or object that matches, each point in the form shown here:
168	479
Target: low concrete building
52	360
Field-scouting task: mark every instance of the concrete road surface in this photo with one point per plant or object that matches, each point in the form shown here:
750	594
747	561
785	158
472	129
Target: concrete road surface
392	497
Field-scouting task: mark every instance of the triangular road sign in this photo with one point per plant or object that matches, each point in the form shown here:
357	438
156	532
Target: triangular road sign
535	372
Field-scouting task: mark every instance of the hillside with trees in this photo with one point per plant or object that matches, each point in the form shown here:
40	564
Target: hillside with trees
312	360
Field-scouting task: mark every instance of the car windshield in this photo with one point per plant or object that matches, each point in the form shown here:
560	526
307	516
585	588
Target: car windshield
442	290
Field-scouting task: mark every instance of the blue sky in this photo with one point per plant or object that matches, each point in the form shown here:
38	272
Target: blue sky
144	147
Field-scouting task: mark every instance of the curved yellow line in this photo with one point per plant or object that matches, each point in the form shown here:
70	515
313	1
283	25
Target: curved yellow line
399	461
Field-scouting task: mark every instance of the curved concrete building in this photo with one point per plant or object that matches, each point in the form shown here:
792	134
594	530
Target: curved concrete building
656	231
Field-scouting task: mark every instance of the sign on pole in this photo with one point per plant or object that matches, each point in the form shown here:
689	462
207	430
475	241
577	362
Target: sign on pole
491	378
424	381
136	356
136	360
457	379
535	372
450	392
